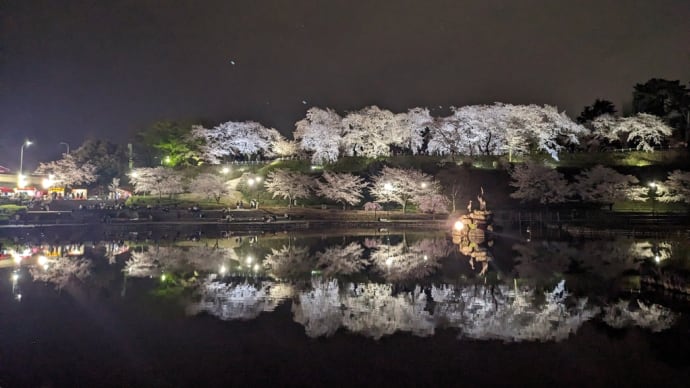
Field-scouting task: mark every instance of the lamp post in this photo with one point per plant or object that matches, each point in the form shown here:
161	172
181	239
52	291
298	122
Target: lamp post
20	177
653	187
66	145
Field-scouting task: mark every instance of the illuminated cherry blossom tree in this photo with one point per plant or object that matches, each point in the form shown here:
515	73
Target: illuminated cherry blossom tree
643	131
653	317
536	182
68	172
288	185
211	185
320	133
604	185
370	132
235	138
342	188
156	180
412	125
676	188
402	186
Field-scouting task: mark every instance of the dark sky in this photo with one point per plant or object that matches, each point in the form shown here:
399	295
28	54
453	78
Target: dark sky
103	69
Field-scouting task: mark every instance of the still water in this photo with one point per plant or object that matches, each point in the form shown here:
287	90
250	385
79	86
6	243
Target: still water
146	308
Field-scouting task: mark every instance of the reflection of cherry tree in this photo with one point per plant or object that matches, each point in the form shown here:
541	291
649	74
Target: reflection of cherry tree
156	259
606	258
416	261
319	310
288	261
141	264
373	311
654	317
230	301
341	260
61	270
502	313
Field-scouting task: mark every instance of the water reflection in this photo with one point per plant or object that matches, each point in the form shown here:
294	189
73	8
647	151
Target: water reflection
375	285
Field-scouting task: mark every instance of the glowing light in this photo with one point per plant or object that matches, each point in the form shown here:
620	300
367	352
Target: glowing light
258	179
389	261
225	170
42	260
163	277
249	260
15	277
657	258
256	267
250	182
652	185
223	270
388	186
458	225
167	159
17	259
424	185
426	257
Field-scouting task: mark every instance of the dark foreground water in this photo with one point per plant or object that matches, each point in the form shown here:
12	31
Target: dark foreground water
365	308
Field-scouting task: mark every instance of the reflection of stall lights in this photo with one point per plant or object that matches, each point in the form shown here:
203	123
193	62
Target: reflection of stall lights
458	225
223	270
17	259
15	277
19	297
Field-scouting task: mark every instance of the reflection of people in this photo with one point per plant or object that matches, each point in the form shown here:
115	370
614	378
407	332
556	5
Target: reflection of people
469	207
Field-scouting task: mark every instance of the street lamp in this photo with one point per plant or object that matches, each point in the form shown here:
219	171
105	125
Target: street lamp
653	186
66	145
20	178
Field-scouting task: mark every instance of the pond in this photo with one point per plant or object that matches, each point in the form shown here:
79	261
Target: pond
359	307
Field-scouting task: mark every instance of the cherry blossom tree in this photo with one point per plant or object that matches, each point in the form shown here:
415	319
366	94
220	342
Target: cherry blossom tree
643	131
320	133
142	264
68	172
676	188
537	182
434	203
156	180
372	206
411	125
285	148
402	186
341	260
62	270
342	188
604	185
370	132
210	185
288	185
235	138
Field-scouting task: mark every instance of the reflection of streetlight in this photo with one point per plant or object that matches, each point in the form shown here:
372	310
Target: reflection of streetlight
225	170
167	160
20	178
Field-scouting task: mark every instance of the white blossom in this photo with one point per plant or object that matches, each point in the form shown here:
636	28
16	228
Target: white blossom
62	270
288	185
536	182
66	171
402	186
210	185
341	260
320	133
156	180
603	184
342	188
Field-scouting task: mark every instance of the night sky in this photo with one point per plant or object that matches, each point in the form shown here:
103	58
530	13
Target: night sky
103	69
